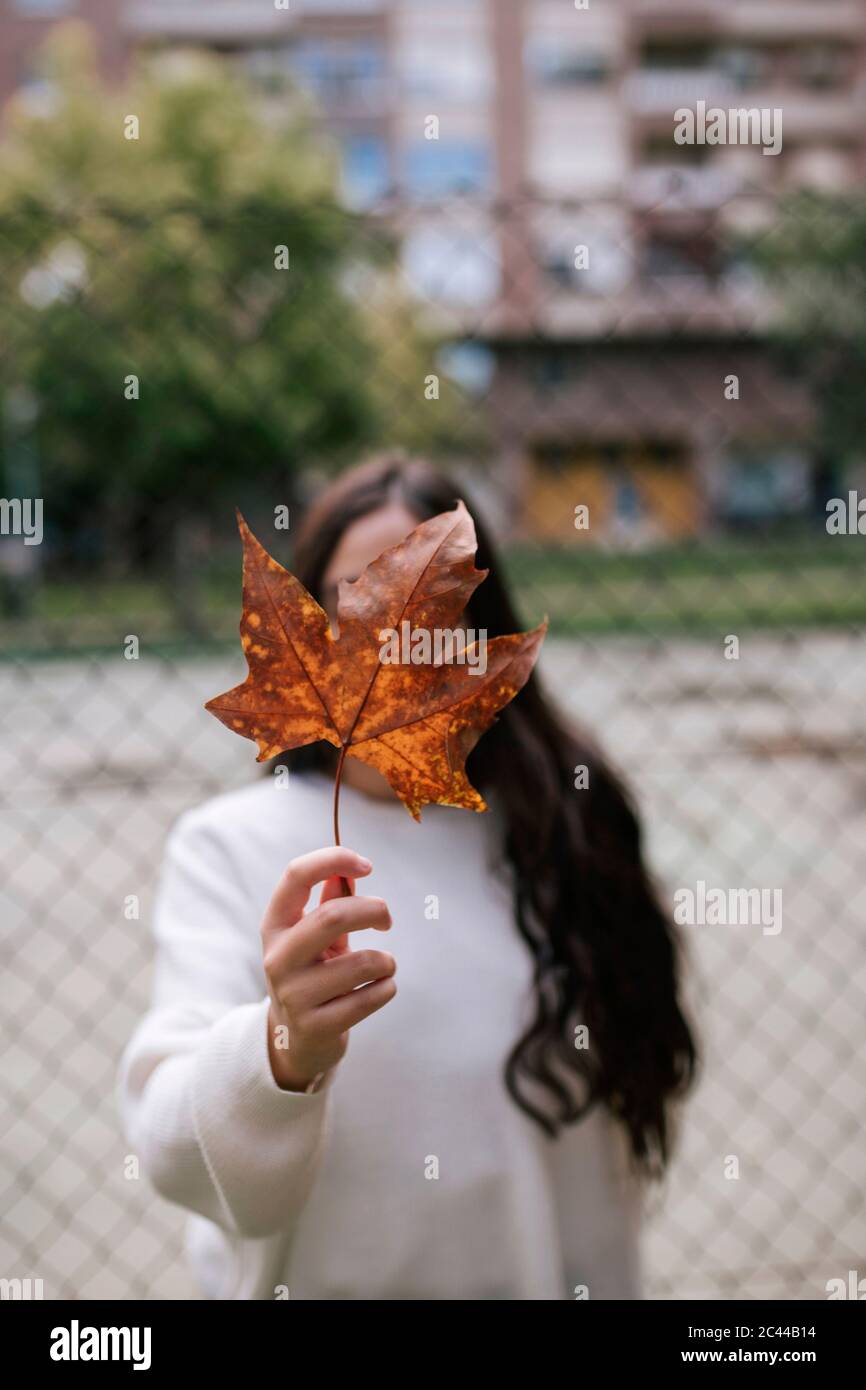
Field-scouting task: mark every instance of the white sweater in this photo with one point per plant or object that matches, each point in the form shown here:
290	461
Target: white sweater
411	1174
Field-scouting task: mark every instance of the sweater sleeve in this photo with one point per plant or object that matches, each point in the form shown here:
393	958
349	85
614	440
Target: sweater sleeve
199	1103
599	1238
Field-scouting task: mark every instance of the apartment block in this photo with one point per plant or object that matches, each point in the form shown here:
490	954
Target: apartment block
591	268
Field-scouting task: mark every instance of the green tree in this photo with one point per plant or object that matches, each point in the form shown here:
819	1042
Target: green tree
815	259
175	365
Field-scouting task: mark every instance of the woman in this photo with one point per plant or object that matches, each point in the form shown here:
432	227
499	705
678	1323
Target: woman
482	1132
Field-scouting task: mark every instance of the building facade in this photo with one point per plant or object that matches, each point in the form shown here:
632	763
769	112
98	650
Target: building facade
591	268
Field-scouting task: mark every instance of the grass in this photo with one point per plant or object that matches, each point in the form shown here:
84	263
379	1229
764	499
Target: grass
690	590
696	589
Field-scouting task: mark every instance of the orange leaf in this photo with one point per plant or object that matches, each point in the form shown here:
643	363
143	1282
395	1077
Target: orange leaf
415	722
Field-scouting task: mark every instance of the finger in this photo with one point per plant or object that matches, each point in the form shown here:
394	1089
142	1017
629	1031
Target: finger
291	893
333	888
337	888
319	929
344	1013
331	979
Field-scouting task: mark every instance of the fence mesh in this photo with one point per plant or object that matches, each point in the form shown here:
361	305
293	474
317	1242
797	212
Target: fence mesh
749	772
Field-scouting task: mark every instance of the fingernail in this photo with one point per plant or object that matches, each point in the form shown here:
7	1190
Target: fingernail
364	863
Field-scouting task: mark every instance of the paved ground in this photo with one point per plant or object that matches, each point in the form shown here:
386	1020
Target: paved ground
750	774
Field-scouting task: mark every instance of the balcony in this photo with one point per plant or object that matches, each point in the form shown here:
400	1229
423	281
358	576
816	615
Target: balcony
655	307
676	188
217	21
654	94
660	91
761	20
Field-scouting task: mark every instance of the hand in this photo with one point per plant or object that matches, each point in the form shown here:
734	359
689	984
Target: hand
312	972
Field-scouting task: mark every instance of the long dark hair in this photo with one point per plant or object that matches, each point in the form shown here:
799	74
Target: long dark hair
605	953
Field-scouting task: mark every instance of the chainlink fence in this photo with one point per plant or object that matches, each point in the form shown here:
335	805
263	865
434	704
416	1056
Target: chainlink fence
724	672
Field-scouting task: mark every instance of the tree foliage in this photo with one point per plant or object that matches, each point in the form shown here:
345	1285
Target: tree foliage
815	258
175	362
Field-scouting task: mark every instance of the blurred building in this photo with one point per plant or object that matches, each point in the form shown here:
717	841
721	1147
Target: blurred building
592	273
23	28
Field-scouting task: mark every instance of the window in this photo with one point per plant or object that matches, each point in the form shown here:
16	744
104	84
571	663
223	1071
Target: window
342	72
744	67
365	169
550	371
553	63
447	68
661	150
628	505
696	257
459	268
822	66
471	365
437	167
761	484
672	75
657	57
590	254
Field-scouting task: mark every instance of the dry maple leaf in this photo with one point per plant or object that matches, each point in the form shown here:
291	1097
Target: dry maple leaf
415	723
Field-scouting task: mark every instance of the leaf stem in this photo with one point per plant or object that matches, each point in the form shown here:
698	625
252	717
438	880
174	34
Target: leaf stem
337	795
345	885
